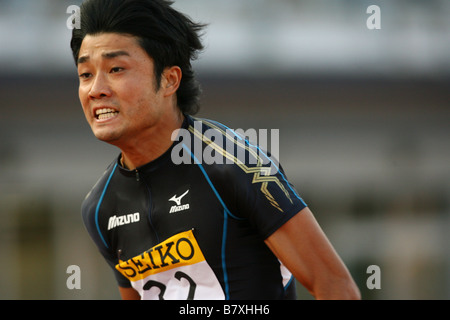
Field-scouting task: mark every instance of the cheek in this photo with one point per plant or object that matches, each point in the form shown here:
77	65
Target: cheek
82	93
141	96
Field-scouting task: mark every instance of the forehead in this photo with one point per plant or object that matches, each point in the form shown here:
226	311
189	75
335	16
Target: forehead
95	46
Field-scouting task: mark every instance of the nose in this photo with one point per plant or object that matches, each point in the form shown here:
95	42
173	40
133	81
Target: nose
100	87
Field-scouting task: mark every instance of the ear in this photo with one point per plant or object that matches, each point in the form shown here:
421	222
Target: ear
171	79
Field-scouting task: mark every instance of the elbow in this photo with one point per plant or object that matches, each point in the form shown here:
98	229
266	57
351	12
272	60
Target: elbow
351	291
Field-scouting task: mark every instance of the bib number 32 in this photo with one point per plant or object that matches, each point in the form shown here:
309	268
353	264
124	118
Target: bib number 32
162	287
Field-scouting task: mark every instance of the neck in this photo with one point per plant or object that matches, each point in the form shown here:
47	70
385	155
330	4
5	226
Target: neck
150	144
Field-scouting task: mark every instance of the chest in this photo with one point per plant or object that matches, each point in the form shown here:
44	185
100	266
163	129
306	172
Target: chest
138	215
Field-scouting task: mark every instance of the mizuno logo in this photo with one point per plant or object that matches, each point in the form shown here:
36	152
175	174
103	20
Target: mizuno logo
178	206
115	221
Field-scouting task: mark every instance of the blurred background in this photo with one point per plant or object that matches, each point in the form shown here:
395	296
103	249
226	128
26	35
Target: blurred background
364	134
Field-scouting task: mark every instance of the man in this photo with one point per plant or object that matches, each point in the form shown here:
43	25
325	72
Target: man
231	229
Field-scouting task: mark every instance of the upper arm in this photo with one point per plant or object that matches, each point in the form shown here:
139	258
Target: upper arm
301	245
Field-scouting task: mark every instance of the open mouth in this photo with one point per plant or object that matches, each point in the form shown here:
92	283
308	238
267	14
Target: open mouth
105	113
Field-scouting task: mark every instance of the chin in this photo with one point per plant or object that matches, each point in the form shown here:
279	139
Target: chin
107	137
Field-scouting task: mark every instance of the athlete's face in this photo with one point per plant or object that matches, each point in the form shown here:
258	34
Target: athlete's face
117	87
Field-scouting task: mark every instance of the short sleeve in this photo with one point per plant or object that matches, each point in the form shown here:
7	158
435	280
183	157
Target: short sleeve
250	181
254	185
265	196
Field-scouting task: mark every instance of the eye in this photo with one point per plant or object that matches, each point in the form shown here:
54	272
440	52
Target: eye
85	75
116	69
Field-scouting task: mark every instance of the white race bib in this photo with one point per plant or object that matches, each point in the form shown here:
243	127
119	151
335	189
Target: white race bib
175	269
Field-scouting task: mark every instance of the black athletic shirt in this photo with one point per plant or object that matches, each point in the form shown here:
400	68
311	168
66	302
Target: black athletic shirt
192	223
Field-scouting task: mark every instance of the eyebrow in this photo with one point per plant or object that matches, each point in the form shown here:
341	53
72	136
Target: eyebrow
106	55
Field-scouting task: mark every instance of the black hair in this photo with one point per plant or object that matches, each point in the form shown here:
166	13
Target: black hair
169	37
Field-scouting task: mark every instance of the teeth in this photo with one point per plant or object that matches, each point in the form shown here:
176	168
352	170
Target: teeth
105	113
104	110
105	116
